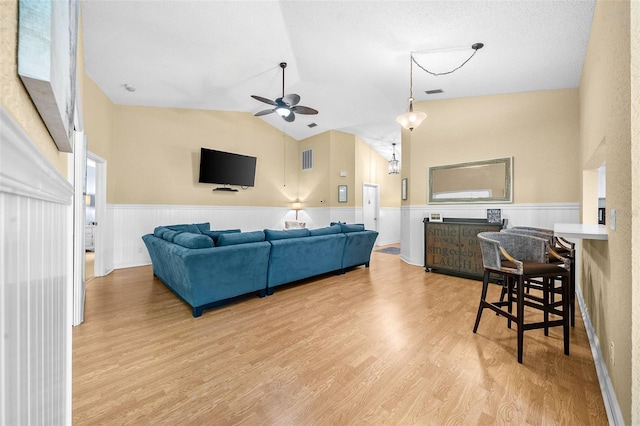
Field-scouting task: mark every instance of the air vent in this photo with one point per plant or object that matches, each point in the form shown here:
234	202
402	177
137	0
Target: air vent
307	159
434	91
312	125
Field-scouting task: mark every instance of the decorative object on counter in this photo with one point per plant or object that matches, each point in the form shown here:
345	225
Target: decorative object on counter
494	216
435	217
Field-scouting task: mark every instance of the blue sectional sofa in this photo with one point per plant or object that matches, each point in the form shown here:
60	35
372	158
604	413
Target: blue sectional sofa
205	268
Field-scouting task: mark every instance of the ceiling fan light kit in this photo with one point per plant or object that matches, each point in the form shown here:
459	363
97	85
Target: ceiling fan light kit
412	119
286	106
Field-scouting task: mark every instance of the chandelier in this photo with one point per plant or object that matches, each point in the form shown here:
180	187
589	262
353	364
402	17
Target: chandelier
394	165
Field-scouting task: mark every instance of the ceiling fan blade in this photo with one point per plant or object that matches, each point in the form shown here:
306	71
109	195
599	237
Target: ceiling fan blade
265	100
304	110
289	118
291	99
264	112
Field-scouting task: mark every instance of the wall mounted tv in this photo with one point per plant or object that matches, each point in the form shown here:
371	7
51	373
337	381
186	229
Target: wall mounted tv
226	168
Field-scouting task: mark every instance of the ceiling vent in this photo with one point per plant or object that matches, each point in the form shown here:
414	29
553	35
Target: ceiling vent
434	91
307	159
312	125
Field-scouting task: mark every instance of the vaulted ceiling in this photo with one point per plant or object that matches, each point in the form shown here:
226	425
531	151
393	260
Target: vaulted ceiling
350	60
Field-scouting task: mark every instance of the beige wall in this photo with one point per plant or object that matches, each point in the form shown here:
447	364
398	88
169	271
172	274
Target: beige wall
155	157
335	152
373	168
98	125
159	150
635	201
314	189
539	129
342	159
14	97
605	123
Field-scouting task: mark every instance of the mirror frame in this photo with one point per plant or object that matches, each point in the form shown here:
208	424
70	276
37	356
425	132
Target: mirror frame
508	181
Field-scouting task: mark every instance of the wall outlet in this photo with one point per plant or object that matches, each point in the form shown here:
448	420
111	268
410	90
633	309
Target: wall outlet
612	357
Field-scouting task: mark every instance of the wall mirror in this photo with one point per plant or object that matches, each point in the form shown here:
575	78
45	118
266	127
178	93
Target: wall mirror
488	181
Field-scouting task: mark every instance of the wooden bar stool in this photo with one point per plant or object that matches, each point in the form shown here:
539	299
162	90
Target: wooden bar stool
564	248
522	259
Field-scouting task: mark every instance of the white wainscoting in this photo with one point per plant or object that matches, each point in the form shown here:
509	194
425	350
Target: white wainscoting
127	224
35	283
536	215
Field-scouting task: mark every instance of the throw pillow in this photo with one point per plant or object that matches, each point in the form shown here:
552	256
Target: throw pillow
215	234
327	230
272	234
160	230
185	228
170	235
194	241
239	238
352	227
205	226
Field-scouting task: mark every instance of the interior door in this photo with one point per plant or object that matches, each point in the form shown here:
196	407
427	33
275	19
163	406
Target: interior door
370	206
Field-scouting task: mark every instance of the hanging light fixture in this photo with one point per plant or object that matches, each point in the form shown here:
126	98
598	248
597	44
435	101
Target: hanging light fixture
410	119
394	165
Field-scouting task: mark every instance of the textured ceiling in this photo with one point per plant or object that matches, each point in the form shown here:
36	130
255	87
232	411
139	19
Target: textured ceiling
347	59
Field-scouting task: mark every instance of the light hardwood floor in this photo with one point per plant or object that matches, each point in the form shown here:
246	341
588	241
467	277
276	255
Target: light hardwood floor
389	344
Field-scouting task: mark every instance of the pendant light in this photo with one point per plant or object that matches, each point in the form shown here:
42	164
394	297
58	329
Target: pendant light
394	165
410	119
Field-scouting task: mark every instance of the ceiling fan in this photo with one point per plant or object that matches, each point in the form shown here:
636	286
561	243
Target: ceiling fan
285	106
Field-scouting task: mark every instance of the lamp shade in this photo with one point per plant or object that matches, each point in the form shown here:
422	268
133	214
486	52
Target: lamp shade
411	119
296	206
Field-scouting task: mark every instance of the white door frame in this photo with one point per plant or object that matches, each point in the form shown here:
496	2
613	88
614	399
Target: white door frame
376	206
78	174
99	268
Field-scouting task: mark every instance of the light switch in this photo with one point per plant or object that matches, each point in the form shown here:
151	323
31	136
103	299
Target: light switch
612	219
343	174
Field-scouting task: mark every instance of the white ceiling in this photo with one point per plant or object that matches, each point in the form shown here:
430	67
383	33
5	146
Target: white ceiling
347	59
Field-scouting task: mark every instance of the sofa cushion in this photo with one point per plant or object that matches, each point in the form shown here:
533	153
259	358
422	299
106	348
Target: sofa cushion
170	235
351	227
239	238
327	230
204	226
160	230
272	234
194	241
215	234
192	228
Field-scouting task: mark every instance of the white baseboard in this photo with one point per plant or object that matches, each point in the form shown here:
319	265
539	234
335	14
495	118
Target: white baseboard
606	387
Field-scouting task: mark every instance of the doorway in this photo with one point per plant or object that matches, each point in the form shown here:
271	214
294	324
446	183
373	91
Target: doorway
96	221
90	219
370	205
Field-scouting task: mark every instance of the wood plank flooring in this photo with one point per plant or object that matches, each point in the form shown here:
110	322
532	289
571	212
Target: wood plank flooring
389	344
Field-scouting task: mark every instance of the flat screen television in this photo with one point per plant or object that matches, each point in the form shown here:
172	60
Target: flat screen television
226	168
